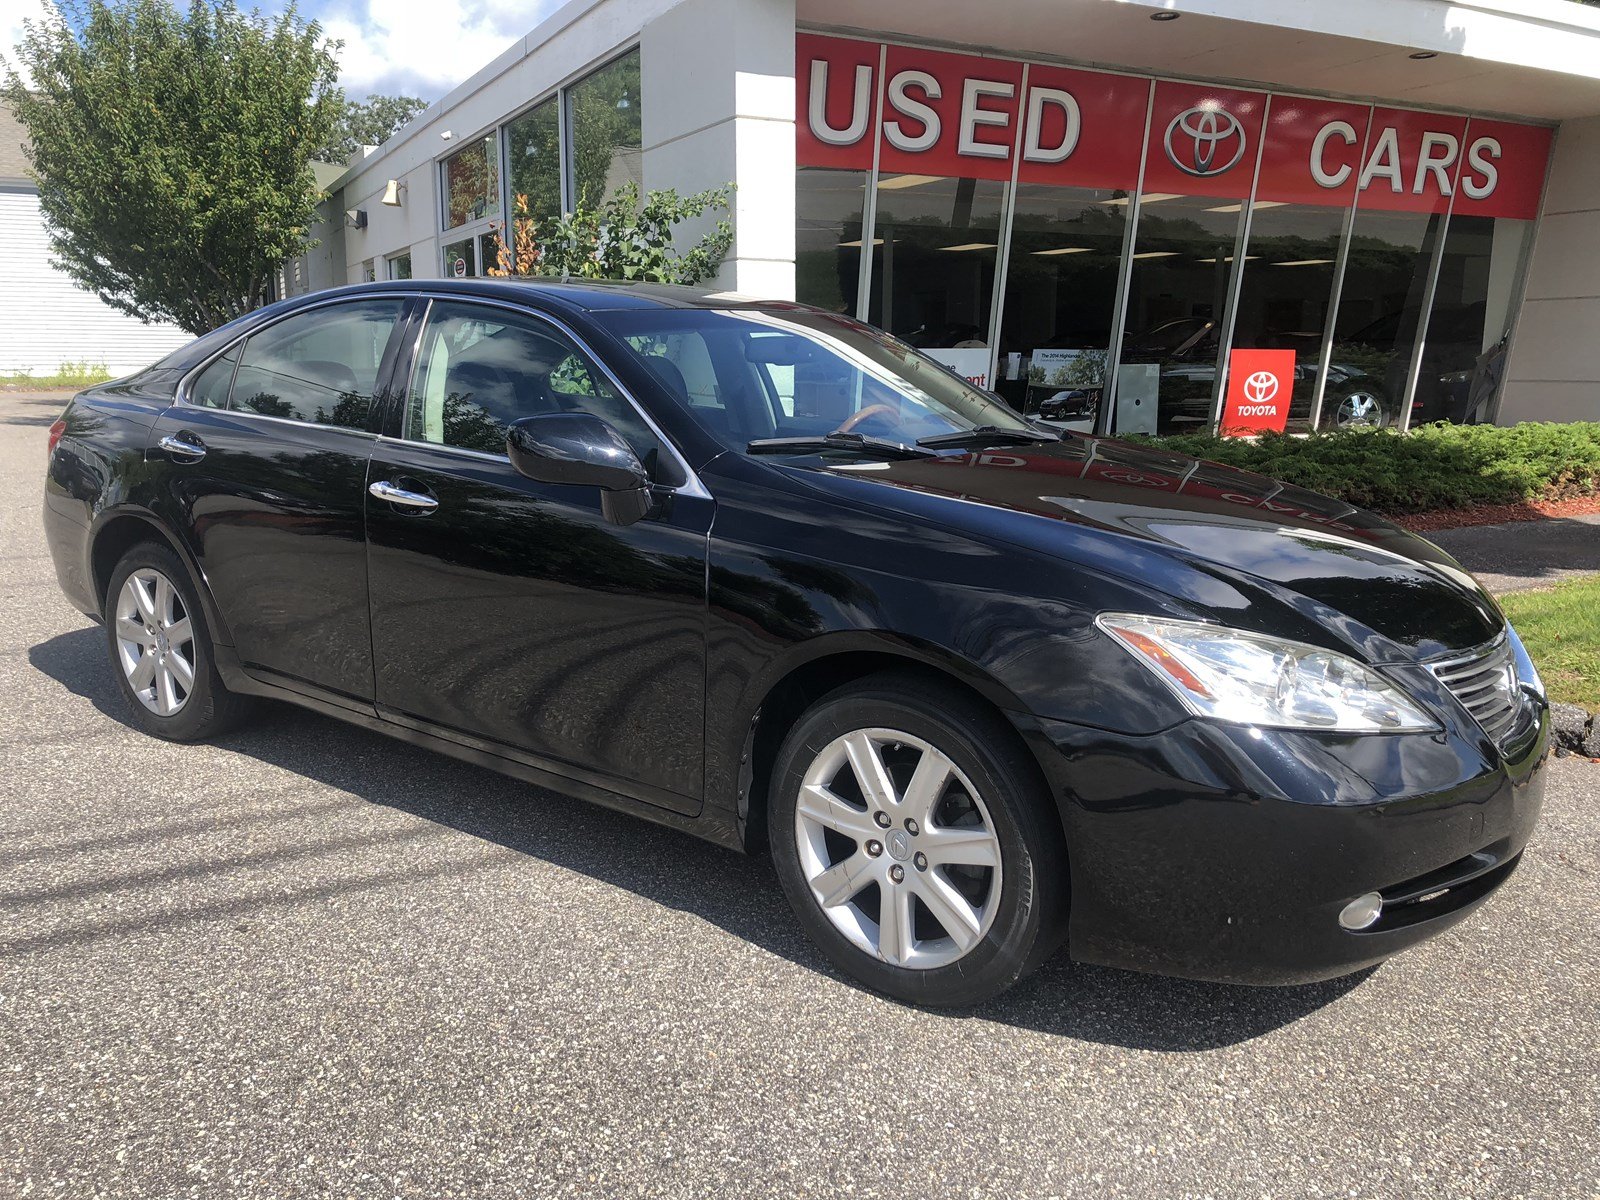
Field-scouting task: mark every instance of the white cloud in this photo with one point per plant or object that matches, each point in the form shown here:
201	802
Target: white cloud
12	14
424	49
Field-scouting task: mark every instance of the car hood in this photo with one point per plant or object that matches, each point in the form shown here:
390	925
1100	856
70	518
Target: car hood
1185	526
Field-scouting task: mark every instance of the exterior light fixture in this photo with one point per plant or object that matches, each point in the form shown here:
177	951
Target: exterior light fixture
391	193
1165	15
1424	54
356	218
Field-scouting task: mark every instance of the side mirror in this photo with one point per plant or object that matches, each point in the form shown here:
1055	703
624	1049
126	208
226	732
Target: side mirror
578	448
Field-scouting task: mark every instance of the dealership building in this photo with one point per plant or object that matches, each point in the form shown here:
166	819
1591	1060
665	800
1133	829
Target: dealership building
1141	214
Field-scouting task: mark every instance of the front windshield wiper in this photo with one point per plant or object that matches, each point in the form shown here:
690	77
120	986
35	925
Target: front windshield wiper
858	443
988	435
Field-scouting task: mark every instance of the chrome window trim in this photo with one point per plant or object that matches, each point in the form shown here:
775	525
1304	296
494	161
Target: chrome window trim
691	485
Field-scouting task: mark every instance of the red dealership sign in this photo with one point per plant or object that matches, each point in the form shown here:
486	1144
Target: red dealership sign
1260	386
931	112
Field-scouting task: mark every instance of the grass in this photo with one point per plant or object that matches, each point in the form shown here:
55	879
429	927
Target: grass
1432	468
1561	628
68	375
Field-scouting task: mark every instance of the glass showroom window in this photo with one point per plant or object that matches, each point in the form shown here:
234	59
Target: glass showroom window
400	266
1463	354
1199	170
933	262
472	183
1400	219
1480	274
533	159
607	133
1297	225
1063	265
827	237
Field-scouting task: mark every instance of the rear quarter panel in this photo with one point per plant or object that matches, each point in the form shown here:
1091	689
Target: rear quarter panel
97	465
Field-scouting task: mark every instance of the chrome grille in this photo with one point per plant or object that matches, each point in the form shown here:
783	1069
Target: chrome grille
1485	681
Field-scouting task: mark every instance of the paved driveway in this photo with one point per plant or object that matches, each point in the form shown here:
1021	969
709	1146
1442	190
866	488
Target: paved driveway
310	961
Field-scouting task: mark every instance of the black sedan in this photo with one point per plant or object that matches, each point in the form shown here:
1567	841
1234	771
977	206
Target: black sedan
768	575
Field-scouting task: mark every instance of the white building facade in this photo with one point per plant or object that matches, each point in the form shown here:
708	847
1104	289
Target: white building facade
1141	214
46	321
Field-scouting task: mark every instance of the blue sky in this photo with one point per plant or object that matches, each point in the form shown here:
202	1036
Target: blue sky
420	47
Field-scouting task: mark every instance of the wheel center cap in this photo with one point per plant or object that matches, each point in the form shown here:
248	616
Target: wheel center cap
163	646
899	845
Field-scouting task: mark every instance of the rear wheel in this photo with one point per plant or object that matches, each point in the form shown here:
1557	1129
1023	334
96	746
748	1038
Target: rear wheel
915	842
161	648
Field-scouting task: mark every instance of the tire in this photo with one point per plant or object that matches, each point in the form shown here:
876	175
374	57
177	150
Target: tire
1362	408
825	843
160	649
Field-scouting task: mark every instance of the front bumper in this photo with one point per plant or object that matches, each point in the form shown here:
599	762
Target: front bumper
1225	853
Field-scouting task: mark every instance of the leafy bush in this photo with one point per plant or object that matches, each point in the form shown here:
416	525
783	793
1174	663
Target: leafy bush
68	375
620	239
1433	467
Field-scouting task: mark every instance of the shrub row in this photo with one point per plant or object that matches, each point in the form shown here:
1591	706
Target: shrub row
1432	467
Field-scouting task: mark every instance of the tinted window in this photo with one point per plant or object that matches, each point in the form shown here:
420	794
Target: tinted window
482	368
755	373
320	366
210	388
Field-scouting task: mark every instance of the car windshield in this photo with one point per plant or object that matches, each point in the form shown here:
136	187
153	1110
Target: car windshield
753	374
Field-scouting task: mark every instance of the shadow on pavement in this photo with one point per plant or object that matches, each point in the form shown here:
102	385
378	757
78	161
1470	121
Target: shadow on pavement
1525	553
737	893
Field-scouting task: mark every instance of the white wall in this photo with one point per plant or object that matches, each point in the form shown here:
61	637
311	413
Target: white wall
46	320
733	124
1554	370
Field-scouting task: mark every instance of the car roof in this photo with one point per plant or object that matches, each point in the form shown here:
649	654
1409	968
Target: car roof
583	295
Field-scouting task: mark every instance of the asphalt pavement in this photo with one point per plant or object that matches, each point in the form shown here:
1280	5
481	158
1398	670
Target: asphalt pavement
312	961
1520	555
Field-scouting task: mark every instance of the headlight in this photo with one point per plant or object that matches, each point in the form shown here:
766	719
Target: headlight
1231	675
1527	673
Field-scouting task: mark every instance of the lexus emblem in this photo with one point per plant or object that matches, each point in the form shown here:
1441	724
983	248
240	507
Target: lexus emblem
1205	140
1260	387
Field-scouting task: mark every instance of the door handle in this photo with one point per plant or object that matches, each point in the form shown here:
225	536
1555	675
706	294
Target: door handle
383	490
189	447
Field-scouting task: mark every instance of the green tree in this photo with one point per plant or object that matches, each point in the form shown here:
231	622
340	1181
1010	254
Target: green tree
369	122
172	149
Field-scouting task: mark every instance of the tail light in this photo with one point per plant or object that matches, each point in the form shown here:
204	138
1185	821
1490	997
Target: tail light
56	431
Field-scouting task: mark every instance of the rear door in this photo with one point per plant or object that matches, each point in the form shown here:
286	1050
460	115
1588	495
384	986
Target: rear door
262	470
513	612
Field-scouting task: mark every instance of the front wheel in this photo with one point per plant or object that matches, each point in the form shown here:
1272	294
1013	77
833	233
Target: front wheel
915	842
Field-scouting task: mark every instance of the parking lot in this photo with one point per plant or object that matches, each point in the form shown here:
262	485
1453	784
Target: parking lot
312	961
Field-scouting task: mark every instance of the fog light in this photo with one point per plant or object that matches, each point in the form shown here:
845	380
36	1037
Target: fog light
1362	911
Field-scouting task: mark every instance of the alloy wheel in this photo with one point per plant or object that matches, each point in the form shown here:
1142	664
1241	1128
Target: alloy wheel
1359	410
898	848
155	641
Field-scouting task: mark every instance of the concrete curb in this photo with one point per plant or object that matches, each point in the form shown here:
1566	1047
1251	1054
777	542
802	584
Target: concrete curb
1576	729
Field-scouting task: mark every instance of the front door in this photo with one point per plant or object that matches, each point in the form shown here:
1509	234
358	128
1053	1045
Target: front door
513	611
262	470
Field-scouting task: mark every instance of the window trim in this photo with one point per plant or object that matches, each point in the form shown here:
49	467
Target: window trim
180	394
691	486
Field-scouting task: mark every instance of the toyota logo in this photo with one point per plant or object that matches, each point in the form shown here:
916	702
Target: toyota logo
1205	140
1260	387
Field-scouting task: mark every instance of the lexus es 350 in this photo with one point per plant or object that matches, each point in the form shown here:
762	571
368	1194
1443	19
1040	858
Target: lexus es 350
767	575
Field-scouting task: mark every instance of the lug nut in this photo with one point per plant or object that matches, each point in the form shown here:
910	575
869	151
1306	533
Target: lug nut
897	873
874	848
921	860
882	818
911	827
